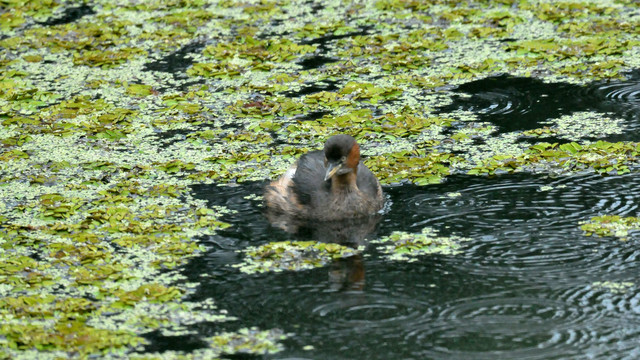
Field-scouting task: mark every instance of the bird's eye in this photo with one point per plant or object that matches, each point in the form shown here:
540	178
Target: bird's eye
342	159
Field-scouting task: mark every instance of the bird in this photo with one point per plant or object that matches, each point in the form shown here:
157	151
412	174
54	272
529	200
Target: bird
327	185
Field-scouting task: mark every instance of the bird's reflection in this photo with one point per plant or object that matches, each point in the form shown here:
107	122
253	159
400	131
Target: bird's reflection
345	273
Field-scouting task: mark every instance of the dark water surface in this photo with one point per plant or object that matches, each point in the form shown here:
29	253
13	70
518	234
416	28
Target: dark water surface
518	104
520	289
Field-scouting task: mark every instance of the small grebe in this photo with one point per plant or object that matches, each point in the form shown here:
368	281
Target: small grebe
329	184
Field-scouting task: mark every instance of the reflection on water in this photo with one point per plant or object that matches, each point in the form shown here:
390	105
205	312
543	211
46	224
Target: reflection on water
522	288
347	273
349	232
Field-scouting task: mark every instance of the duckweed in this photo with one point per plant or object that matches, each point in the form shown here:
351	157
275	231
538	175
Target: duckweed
601	157
613	287
402	246
108	118
249	341
292	255
611	225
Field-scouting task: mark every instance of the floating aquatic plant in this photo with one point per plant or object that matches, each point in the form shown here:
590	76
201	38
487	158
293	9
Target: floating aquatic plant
249	341
613	287
292	255
602	157
581	125
419	167
611	225
405	246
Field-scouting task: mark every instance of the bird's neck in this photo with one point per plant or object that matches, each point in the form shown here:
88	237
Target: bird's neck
346	182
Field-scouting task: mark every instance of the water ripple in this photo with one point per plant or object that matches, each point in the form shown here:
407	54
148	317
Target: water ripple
528	224
619	98
495	102
516	103
627	92
370	312
506	327
521	202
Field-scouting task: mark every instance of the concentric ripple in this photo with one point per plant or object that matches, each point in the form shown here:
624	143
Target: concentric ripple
376	313
496	102
503	326
627	92
610	300
618	322
516	104
619	98
525	223
474	205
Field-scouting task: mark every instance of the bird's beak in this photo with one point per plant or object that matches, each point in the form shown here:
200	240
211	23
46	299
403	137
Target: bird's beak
332	170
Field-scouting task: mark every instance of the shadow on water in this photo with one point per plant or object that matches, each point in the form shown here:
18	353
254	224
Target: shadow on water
518	104
314	115
521	287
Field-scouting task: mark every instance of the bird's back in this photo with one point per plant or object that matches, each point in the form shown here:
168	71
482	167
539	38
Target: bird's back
308	181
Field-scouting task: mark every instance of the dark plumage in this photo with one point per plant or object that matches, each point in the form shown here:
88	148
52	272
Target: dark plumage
329	184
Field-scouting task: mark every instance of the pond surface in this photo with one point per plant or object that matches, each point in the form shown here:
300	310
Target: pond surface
124	124
523	287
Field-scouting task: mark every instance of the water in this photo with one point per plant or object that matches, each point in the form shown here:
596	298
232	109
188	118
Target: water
518	104
522	287
69	15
